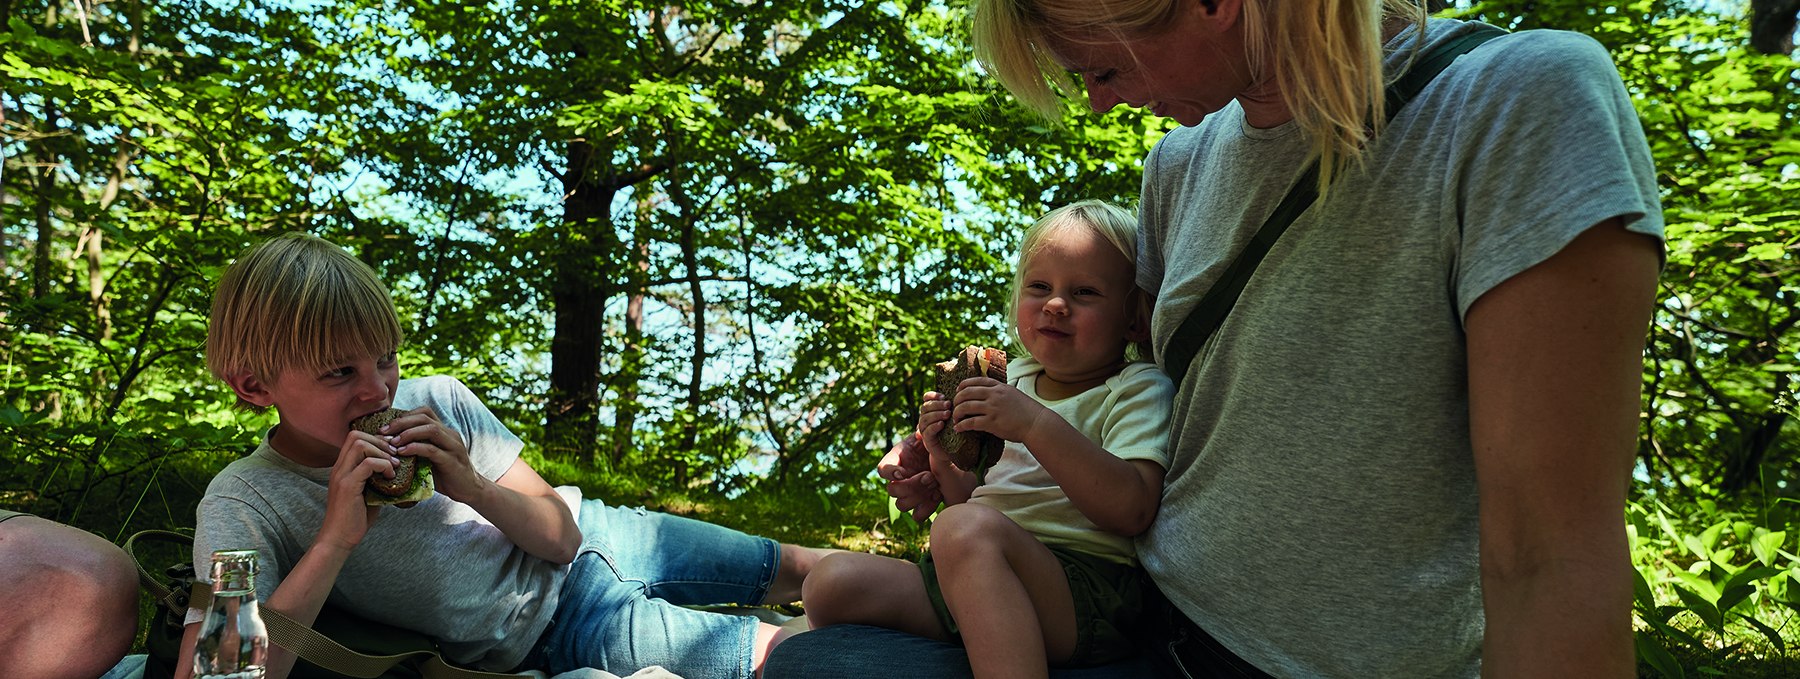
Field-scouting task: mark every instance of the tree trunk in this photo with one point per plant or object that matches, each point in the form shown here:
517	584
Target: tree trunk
1772	25
579	289
690	259
580	285
46	233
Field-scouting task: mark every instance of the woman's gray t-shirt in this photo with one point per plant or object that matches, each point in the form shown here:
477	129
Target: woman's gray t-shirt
1320	517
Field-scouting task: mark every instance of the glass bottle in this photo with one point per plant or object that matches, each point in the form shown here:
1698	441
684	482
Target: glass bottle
233	643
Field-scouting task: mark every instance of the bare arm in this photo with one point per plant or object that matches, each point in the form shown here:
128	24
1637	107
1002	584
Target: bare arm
1555	373
1119	496
300	597
303	590
525	508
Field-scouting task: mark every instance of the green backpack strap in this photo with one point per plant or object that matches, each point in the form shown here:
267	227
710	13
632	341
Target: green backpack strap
331	656
1206	317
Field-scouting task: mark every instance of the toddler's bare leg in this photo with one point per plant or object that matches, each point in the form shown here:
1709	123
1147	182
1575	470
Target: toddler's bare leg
1007	591
796	563
855	588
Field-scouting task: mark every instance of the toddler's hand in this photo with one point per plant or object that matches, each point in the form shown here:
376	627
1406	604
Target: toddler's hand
998	408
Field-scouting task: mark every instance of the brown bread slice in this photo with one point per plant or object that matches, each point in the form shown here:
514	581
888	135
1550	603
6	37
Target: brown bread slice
412	476
970	450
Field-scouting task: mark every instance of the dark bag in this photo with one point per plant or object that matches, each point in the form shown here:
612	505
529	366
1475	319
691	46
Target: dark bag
337	644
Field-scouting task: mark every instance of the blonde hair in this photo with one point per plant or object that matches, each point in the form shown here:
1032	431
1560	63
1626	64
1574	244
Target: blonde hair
297	301
1326	57
1117	226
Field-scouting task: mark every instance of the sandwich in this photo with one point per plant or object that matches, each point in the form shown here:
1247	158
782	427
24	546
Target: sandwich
412	475
970	450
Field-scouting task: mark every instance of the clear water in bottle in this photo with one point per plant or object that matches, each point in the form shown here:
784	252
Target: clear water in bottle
233	643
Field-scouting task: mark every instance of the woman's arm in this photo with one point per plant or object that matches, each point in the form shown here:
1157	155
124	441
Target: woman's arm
1555	375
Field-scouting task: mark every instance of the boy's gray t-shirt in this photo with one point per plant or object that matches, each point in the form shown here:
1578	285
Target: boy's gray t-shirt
1320	517
438	567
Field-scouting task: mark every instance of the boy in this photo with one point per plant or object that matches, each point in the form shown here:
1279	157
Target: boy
502	570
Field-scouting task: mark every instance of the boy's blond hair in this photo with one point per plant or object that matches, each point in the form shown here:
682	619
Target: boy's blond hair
1117	226
297	301
1327	56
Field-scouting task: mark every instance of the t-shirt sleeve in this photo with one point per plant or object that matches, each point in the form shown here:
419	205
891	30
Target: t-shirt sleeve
492	447
228	523
1550	146
1137	425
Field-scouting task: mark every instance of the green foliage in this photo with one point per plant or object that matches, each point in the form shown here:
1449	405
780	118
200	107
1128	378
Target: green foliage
1716	589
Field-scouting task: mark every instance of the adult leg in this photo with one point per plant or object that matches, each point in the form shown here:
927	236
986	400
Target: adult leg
863	652
865	589
72	598
1006	590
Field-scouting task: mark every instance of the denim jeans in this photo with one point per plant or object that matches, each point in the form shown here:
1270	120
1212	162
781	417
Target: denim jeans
622	603
860	652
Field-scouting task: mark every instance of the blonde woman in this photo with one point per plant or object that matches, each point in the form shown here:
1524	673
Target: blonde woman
1406	450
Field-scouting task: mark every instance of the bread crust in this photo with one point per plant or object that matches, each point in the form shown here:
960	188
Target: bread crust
970	450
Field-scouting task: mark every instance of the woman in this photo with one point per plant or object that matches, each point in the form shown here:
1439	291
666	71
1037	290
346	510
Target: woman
1407	449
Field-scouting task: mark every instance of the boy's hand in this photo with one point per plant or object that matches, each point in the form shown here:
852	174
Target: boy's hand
907	469
420	433
347	517
998	408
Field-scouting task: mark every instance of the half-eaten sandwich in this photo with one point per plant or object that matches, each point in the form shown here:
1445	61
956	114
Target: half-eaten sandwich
970	450
412	475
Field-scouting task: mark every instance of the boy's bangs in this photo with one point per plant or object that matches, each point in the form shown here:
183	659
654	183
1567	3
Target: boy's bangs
335	321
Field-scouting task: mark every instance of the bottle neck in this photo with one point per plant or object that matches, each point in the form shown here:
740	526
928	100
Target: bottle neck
233	579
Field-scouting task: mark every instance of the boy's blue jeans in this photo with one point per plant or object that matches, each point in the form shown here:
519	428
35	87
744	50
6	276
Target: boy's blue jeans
621	607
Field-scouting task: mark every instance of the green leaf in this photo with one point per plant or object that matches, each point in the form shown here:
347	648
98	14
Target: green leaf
1646	599
1651	651
1709	538
1773	636
1767	252
1734	596
1766	545
1746	576
1702	607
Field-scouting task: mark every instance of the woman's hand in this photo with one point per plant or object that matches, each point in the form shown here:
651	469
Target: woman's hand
907	470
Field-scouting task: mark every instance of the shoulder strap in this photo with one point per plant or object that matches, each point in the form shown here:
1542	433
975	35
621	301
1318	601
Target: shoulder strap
327	653
301	640
1210	313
